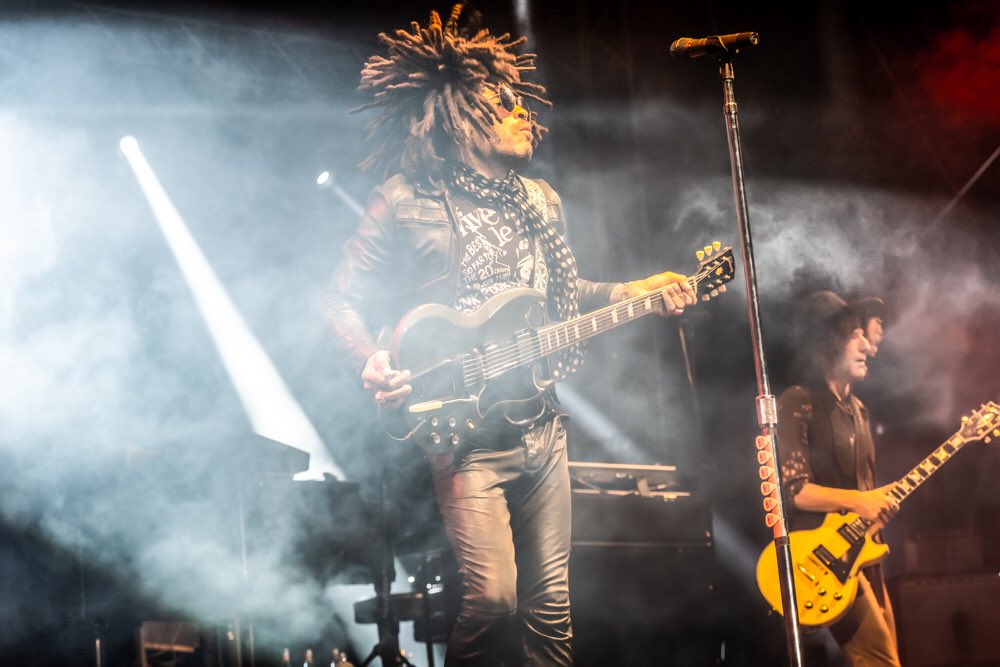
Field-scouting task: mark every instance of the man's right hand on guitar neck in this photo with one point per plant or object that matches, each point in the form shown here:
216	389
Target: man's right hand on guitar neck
677	292
387	386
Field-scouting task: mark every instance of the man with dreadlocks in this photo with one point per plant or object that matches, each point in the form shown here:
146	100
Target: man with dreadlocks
455	224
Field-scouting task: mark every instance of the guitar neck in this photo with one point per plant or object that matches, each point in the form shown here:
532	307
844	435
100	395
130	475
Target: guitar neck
563	334
711	276
912	480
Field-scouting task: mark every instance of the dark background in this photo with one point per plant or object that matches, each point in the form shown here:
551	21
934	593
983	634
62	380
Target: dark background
124	446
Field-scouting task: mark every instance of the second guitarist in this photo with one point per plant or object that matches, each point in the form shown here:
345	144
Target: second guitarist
828	454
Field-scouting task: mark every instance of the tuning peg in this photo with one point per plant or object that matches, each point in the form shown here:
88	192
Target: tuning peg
705	297
996	432
700	254
708	250
714	293
987	440
722	288
716	246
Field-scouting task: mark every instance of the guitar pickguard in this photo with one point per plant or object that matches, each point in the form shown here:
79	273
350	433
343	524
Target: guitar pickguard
839	567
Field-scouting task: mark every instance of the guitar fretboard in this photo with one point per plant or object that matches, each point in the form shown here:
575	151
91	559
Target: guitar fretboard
557	336
528	346
532	346
912	480
921	472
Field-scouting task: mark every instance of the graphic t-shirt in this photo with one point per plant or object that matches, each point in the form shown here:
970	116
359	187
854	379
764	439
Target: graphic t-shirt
494	255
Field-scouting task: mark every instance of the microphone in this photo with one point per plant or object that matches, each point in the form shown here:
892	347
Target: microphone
686	48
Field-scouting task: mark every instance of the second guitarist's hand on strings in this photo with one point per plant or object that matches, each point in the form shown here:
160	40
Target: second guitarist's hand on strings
388	386
876	505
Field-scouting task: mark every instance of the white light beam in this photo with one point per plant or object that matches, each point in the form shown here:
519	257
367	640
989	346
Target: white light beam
273	411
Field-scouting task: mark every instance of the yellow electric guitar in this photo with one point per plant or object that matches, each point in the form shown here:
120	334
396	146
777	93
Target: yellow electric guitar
826	560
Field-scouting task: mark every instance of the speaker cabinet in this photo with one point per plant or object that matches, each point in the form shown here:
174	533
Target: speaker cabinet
949	621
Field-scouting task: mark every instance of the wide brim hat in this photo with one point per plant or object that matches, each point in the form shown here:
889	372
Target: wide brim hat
867	308
825	310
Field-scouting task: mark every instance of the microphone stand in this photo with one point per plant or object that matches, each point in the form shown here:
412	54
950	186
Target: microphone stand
767	411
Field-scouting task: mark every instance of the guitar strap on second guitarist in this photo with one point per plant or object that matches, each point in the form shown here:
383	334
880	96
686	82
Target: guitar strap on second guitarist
864	452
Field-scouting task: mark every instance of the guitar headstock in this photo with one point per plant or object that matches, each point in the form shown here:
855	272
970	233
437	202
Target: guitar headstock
716	267
982	424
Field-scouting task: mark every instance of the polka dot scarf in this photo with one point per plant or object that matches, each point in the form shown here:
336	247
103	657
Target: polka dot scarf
508	196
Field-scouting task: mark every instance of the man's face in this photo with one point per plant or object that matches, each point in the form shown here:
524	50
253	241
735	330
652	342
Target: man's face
851	364
873	332
515	139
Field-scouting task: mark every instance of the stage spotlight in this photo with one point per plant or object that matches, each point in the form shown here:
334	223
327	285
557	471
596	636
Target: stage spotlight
326	181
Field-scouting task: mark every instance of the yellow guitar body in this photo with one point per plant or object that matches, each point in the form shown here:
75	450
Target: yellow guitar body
825	562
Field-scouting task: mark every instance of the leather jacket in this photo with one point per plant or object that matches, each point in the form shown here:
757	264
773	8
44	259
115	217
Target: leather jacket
404	254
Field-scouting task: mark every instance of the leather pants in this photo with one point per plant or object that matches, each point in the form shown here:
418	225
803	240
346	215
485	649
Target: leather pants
505	502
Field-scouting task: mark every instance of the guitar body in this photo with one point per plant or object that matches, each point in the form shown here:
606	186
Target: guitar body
443	349
825	564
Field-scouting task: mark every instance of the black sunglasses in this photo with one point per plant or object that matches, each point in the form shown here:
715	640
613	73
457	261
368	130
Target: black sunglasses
509	100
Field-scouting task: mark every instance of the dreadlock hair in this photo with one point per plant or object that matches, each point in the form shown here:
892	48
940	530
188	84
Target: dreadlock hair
429	88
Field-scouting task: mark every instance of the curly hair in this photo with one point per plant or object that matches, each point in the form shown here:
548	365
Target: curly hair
429	87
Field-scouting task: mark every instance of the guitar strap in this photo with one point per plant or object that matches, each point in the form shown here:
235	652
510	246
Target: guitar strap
864	448
864	451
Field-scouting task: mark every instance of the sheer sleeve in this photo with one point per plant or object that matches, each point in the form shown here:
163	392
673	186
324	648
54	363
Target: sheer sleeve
795	411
